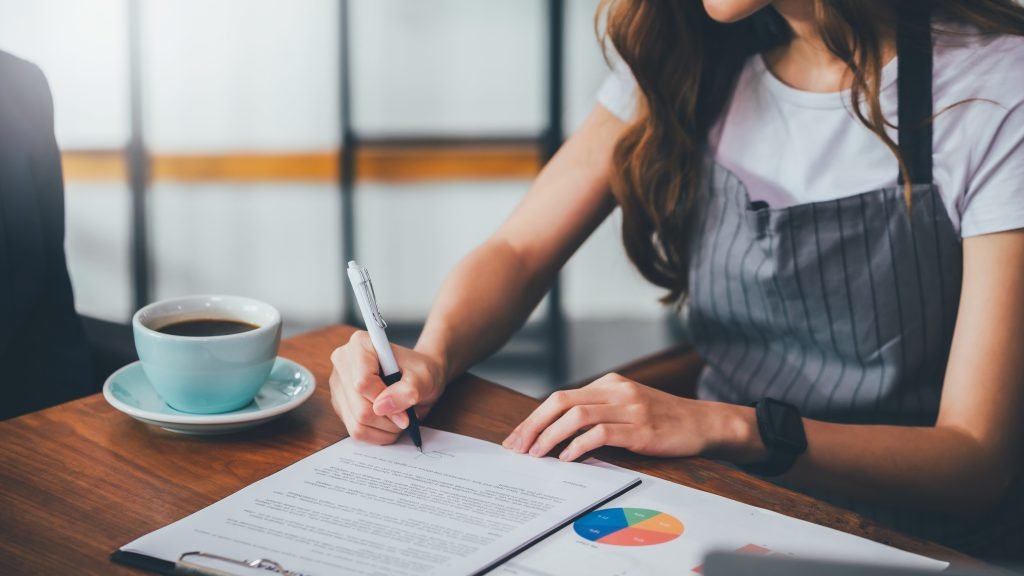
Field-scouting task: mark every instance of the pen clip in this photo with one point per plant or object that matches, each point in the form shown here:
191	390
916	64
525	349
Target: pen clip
371	298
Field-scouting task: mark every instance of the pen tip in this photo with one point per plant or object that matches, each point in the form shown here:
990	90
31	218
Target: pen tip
420	448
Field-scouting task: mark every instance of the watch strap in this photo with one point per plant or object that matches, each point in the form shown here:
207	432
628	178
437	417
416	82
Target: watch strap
781	428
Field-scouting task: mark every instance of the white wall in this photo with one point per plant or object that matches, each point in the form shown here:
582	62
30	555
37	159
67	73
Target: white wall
238	75
448	66
584	67
229	75
82	46
98	250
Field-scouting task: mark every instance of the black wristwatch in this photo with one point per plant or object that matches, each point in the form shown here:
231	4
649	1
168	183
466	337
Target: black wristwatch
782	431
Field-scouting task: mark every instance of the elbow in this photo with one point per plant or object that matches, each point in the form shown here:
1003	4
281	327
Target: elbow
977	476
526	262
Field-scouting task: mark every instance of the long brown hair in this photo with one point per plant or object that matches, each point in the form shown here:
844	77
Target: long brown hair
686	65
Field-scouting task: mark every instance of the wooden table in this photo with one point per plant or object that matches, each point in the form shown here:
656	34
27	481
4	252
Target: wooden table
81	479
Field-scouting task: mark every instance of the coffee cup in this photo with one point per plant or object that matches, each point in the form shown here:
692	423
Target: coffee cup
207	354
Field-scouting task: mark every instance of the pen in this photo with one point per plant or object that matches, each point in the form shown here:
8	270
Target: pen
359	276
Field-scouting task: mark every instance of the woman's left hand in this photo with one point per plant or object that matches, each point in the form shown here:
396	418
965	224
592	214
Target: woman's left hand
616	411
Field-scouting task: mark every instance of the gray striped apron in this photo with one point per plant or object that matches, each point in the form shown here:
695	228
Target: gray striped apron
844	308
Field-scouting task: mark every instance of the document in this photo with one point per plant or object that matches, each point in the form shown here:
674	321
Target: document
460	507
663	528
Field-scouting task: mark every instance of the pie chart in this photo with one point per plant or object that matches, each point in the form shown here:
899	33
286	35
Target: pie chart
628	527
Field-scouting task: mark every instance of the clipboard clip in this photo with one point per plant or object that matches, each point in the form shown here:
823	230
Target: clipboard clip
371	297
190	568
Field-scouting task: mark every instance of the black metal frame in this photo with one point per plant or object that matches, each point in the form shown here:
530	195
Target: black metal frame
346	162
552	140
138	163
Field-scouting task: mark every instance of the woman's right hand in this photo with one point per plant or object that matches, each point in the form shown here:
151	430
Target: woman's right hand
371	411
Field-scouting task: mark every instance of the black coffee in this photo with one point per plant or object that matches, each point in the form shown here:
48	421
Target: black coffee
207	327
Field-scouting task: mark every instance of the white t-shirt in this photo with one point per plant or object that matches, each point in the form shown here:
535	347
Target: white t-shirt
792	147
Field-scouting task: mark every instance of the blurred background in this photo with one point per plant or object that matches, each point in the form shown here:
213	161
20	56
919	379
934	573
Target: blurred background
252	146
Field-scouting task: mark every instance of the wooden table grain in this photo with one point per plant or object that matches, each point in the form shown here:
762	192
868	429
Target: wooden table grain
79	480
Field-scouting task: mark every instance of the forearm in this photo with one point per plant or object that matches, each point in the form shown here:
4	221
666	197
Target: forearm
929	467
483	301
938	468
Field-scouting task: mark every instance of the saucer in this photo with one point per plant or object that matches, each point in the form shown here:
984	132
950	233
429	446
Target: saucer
287	387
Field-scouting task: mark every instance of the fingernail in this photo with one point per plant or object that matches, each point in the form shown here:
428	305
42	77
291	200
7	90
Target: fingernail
535	451
564	456
512	442
385	406
399	421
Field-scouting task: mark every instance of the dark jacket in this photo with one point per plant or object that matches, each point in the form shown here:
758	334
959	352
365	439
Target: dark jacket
44	358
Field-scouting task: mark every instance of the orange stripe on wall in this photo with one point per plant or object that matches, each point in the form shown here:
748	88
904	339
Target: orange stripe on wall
94	166
316	167
373	163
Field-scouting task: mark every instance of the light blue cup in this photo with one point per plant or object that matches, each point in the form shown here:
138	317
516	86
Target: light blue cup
210	374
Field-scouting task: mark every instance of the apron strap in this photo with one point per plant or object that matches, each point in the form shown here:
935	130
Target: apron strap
914	85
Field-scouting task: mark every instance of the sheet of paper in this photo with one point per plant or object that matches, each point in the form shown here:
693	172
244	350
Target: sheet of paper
358	509
662	528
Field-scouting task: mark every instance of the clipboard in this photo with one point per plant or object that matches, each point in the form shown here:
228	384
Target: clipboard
187	565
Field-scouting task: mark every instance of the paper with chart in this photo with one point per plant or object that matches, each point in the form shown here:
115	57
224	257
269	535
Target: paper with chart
662	528
353	508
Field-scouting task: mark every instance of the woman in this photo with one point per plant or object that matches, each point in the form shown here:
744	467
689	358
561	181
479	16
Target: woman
854	287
